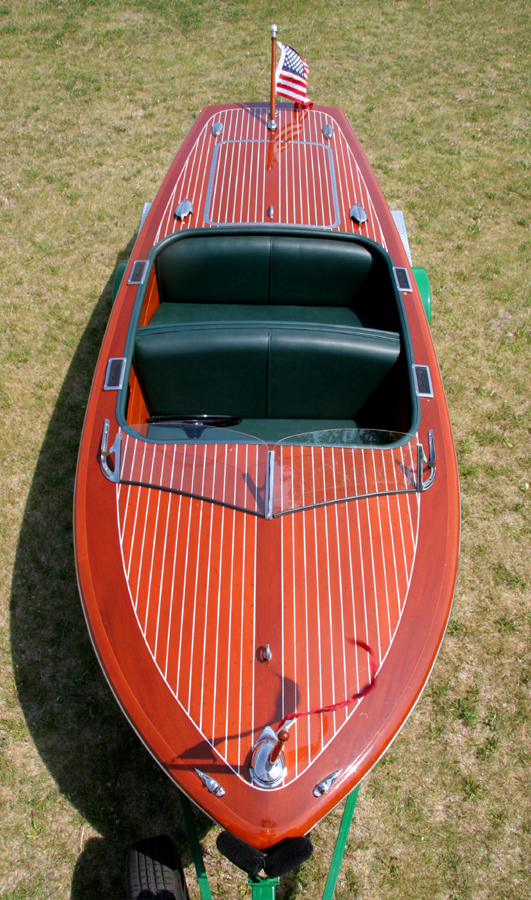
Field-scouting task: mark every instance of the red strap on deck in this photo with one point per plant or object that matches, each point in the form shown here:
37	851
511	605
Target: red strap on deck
364	690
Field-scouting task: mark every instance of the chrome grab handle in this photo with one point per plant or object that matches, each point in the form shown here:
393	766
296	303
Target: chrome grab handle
110	474
429	461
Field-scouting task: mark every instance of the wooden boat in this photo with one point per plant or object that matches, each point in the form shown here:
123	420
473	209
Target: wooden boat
267	481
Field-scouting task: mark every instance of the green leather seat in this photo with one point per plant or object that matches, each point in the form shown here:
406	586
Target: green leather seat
279	372
326	374
193	370
262	269
215	268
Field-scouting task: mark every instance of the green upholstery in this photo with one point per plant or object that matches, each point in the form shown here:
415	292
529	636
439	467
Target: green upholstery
262	269
188	371
280	372
215	269
324	374
316	272
291	331
222	313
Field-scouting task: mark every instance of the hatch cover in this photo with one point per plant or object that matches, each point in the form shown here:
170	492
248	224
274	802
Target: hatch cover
296	178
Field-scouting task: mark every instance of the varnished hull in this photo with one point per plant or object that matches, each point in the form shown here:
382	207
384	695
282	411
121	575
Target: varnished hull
181	594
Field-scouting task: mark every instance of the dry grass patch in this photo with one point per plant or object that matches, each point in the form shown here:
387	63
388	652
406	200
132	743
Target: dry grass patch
96	97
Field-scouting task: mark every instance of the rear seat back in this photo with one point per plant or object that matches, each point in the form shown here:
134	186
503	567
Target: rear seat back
262	269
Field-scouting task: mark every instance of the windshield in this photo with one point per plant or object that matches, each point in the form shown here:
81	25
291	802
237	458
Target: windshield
321	467
240	471
198	461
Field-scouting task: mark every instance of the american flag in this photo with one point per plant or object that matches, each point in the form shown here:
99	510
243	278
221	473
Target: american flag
292	75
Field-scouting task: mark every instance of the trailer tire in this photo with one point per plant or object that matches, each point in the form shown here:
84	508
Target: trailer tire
423	284
118	278
154	870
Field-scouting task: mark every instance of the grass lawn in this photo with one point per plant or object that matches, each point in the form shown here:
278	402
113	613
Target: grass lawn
96	96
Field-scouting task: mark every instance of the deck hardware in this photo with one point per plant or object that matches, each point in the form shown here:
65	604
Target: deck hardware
184	208
326	784
358	214
328	130
110	474
145	209
271	212
114	375
402	280
138	271
269	481
421	459
217	128
211	784
400	223
423	385
263	772
266	654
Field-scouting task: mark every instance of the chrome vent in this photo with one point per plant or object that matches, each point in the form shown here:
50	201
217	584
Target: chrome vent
114	375
423	385
402	279
138	271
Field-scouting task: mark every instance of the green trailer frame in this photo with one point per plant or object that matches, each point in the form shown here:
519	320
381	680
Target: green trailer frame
264	888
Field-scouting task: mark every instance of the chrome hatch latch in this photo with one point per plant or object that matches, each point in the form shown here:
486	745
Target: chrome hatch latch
110	474
423	459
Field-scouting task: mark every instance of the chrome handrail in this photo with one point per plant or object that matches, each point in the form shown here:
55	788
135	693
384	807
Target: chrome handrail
429	461
111	474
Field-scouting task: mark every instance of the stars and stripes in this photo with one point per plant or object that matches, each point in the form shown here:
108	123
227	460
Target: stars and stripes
292	75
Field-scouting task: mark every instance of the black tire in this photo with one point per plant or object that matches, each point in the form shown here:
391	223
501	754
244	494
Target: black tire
118	279
154	871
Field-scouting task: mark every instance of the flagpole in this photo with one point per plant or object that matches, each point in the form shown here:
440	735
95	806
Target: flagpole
272	124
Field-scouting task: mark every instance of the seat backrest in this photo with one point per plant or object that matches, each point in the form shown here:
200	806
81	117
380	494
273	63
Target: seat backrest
278	372
326	373
316	271
194	370
215	269
262	269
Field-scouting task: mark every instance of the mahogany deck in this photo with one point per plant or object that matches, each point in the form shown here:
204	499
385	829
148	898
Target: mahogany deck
236	176
180	593
343	574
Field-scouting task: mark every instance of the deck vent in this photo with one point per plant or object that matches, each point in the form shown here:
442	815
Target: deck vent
138	271
217	128
402	279
328	130
114	375
184	209
423	385
271	212
358	214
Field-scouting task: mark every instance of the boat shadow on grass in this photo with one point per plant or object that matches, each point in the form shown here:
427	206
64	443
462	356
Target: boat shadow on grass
90	750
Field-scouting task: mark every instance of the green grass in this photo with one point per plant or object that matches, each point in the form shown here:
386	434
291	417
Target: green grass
96	97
